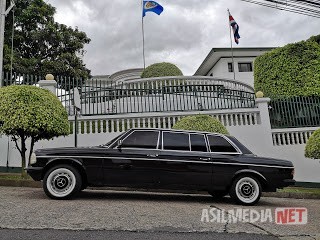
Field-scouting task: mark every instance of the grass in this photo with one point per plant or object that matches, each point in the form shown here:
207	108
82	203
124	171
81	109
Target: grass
13	176
300	190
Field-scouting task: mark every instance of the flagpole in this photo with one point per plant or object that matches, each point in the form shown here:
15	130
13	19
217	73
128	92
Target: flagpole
233	67
143	55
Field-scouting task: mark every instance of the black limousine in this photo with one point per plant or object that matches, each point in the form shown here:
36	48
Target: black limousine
162	159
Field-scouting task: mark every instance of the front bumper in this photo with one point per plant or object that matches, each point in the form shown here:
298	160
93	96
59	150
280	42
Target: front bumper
35	172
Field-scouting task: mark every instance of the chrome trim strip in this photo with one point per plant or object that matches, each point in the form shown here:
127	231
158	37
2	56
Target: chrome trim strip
171	160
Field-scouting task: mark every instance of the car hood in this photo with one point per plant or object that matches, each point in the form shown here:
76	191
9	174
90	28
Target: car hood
67	151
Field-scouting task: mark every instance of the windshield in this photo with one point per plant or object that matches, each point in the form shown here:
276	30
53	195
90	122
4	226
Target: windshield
112	141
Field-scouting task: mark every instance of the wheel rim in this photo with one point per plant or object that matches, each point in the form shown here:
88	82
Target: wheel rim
61	182
247	190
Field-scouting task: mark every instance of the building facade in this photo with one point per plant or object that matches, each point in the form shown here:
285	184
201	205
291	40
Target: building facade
219	64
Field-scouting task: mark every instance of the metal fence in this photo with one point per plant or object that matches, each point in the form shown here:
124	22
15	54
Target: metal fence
295	112
107	98
99	97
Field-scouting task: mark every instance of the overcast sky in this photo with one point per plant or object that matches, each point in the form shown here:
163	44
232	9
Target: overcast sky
183	34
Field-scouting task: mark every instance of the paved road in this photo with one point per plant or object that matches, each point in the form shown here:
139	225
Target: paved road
151	213
16	234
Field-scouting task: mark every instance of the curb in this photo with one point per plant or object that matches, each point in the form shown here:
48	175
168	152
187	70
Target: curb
35	184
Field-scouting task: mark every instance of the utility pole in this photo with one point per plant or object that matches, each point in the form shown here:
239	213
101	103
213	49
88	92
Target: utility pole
3	14
2	21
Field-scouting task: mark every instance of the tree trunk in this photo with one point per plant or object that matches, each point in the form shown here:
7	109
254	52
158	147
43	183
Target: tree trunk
23	157
31	149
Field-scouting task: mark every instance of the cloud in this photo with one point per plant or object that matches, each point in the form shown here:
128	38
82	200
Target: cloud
183	34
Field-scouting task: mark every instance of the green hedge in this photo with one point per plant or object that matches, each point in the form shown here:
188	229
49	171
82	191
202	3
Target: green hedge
161	70
312	149
203	123
292	70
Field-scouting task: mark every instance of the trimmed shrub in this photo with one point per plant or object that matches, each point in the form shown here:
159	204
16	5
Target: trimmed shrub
31	112
203	123
312	149
161	70
292	70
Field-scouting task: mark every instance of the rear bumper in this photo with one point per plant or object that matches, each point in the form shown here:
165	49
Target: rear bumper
288	182
35	173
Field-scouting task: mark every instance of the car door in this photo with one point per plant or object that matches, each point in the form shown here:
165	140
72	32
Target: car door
132	163
184	161
224	155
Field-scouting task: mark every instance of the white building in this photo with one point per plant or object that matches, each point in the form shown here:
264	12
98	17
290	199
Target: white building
218	63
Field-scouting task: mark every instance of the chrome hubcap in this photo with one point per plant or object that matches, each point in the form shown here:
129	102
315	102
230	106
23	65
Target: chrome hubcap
61	182
247	190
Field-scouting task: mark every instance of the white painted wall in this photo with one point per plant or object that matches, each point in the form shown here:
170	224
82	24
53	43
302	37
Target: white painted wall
220	70
250	126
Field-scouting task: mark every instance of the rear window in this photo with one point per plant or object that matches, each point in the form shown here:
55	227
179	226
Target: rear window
242	148
220	144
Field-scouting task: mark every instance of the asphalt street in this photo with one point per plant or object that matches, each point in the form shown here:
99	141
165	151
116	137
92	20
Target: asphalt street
17	234
102	214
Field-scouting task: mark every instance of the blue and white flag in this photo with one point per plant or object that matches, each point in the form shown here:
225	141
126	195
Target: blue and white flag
151	6
235	28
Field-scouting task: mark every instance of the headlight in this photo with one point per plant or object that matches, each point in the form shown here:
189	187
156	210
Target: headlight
33	158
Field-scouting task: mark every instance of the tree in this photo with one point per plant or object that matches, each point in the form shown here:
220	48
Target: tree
31	112
202	123
42	45
292	70
161	70
312	149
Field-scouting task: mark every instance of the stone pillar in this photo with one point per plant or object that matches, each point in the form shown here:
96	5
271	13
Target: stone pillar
49	84
262	104
265	133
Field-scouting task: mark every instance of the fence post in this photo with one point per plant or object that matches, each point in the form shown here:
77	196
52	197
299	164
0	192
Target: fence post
265	135
49	84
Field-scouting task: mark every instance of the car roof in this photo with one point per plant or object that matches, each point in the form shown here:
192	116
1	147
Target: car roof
175	130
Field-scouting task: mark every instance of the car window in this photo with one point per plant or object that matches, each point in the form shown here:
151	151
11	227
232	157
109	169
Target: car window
176	141
141	139
219	144
198	143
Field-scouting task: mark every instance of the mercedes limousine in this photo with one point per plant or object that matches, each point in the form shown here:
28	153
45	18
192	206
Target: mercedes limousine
162	159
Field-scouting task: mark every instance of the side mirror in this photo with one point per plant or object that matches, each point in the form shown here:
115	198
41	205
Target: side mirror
119	144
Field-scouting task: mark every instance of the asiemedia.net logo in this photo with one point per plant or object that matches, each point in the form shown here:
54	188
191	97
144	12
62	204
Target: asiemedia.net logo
282	216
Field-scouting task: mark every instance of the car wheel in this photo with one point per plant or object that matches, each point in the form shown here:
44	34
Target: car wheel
218	194
246	190
62	182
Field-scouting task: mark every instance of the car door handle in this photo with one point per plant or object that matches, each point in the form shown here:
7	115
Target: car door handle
205	159
125	166
152	155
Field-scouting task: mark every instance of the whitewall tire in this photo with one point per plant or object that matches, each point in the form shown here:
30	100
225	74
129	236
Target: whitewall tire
246	190
62	182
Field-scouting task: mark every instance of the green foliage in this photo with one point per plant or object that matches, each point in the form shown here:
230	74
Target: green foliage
203	123
292	70
312	149
161	70
31	112
42	45
315	39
